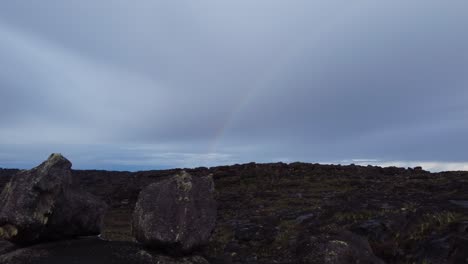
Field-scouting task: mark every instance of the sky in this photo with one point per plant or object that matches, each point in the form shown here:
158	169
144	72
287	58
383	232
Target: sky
136	85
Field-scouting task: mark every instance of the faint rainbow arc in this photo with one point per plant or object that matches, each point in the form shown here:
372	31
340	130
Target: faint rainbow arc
260	85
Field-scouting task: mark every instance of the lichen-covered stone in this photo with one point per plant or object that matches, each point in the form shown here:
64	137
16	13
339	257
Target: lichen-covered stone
177	214
41	204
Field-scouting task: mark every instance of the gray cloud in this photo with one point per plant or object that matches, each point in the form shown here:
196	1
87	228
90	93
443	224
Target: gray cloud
161	84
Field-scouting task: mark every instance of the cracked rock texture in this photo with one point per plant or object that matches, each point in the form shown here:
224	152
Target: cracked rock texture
42	205
178	214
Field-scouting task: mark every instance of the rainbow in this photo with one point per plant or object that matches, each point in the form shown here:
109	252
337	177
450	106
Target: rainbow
257	88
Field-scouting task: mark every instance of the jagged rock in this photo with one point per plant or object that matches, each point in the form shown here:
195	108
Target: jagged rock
41	204
301	219
373	229
263	228
6	247
177	214
339	247
92	251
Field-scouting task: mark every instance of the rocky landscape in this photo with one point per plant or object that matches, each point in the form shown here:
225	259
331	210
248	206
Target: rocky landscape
274	213
46	218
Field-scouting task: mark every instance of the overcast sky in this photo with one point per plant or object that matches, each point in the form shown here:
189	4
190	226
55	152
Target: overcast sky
132	85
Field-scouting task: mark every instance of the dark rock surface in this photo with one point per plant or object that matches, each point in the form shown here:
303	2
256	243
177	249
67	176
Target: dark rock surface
5	176
92	251
335	248
178	214
265	211
6	247
41	204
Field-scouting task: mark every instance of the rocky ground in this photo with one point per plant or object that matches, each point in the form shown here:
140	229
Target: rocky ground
310	213
92	250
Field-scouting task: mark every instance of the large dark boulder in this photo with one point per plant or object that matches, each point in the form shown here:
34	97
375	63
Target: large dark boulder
42	204
92	251
177	214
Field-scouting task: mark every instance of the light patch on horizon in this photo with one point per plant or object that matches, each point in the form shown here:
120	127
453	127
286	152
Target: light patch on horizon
177	160
432	166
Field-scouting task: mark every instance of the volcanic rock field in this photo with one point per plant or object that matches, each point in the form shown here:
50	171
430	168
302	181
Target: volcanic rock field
284	213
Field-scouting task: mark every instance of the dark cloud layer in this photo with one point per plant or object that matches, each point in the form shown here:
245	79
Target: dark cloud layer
155	84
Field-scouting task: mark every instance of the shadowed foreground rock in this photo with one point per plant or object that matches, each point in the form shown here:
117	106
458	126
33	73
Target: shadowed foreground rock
336	248
178	214
92	251
41	205
6	247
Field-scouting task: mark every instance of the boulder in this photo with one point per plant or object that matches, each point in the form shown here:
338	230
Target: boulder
41	205
92	251
177	214
339	247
